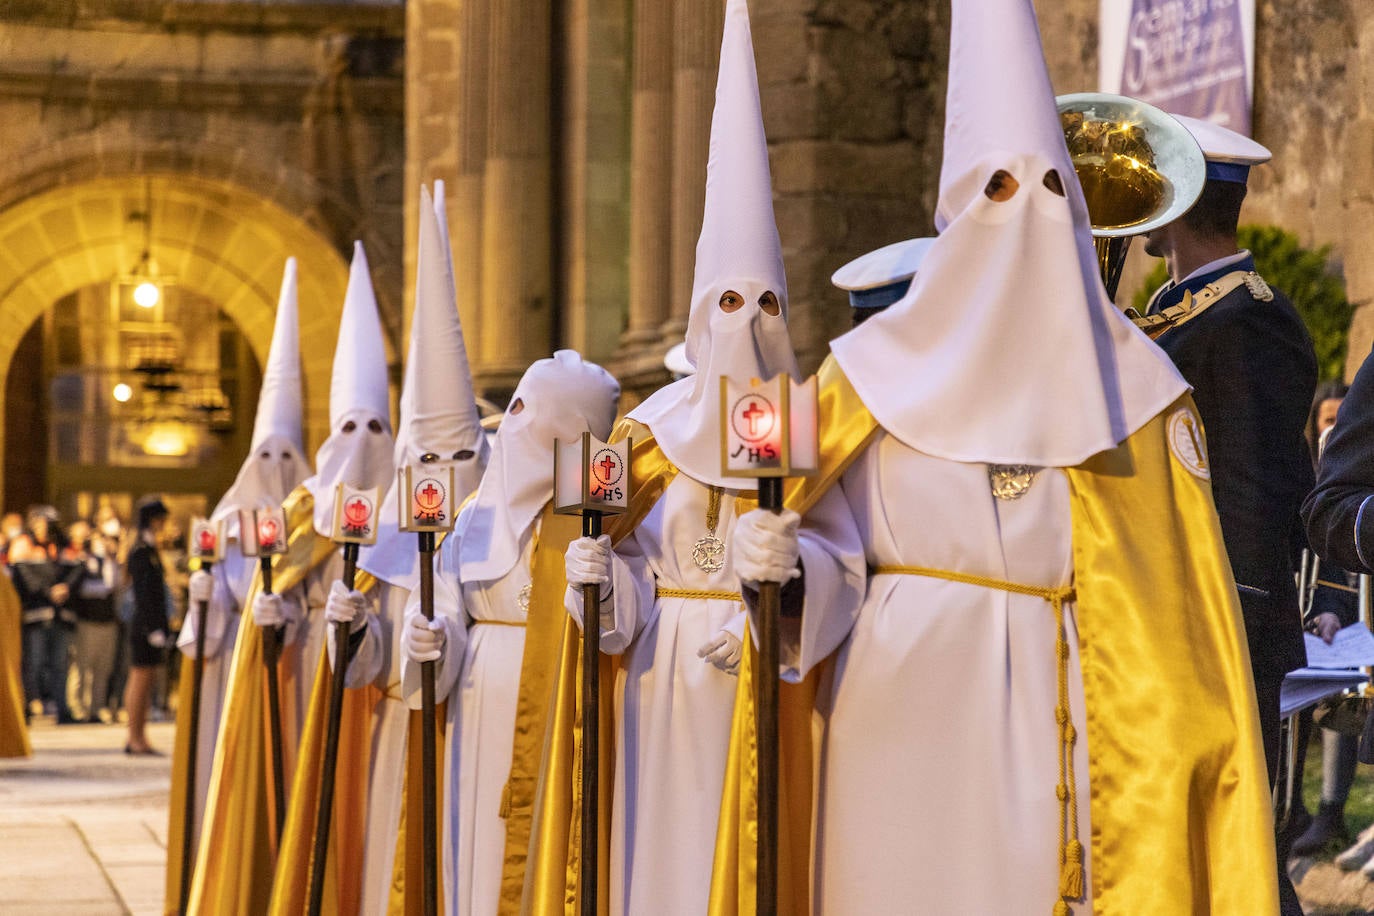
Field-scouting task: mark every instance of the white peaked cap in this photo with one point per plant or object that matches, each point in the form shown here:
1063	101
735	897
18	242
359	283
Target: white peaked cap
738	251
438	408
359	378
1221	144
279	402
739	234
1006	349
882	267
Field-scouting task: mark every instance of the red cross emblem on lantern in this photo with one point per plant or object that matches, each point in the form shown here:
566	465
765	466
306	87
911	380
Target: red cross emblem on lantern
206	541
268	532
357	512
607	468
753	417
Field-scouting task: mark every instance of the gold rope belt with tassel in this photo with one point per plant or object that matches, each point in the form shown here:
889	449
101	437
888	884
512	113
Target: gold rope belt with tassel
694	593
1070	848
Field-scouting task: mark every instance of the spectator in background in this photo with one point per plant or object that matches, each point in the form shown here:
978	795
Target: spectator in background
148	627
11	527
97	628
48	621
1333	605
113	542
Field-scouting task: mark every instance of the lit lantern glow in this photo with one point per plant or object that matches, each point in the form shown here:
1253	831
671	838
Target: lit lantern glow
768	428
122	393
167	441
591	476
146	294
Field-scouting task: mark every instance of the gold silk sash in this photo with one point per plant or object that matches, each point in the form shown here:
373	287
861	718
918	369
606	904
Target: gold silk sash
235	865
14	732
1070	849
1178	790
348	826
544	624
407	898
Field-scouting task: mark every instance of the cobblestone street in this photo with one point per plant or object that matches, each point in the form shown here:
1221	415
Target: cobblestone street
83	827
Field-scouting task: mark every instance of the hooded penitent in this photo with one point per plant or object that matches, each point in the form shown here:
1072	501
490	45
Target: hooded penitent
1007	318
558	398
275	462
438	412
358	451
738	253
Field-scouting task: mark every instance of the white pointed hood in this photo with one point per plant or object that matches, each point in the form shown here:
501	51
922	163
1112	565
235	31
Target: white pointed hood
438	408
1006	349
558	398
359	449
738	251
275	462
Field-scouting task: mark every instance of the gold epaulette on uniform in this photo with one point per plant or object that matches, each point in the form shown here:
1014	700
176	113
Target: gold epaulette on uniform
1195	304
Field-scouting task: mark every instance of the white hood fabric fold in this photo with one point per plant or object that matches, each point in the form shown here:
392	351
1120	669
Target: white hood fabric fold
438	408
275	462
738	250
355	453
1006	349
559	398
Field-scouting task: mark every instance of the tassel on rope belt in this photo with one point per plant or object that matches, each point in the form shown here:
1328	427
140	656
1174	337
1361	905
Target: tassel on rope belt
661	592
1070	848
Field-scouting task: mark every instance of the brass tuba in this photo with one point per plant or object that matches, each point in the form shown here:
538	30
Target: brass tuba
1140	169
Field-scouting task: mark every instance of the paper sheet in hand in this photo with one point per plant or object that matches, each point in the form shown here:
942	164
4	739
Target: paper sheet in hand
1353	647
1309	686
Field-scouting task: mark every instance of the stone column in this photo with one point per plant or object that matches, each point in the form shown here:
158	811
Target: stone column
516	245
697	26
465	188
651	174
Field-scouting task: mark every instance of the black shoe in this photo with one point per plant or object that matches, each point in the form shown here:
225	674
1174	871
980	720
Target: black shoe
1328	825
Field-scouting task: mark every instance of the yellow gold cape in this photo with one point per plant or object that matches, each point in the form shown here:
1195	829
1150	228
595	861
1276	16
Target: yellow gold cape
234	869
1179	801
348	826
14	732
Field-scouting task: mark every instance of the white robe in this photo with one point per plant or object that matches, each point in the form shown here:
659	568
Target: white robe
480	675
940	751
674	709
232	577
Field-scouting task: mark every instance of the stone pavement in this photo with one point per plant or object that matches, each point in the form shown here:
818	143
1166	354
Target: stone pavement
83	827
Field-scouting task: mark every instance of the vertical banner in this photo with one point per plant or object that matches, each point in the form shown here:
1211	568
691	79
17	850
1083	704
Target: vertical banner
1190	57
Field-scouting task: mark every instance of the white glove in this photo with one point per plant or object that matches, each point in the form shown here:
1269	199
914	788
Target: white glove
423	640
588	561
725	652
157	639
201	586
764	548
268	611
345	606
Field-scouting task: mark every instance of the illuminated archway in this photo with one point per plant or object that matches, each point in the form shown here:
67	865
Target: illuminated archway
218	239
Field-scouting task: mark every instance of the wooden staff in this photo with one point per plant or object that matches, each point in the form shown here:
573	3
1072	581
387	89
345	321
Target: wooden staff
426	507
205	546
429	789
766	712
324	814
271	657
591	726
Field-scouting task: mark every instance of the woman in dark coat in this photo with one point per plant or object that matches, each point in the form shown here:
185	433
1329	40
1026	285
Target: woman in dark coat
148	628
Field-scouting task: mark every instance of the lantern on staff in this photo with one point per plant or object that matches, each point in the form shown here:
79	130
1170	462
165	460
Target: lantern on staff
355	515
428	502
768	428
591	476
262	532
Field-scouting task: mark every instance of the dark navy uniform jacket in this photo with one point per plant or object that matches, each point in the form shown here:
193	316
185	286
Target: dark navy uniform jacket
1340	511
1253	372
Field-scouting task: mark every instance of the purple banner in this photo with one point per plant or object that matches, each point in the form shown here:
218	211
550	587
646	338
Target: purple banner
1188	57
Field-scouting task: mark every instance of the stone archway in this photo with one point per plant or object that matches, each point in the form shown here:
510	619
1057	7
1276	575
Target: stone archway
218	239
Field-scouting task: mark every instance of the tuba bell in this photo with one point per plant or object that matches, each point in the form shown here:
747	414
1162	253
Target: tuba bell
1140	169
